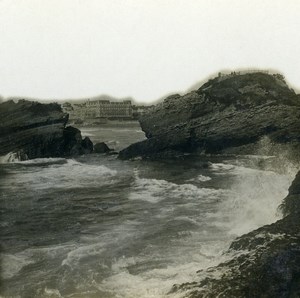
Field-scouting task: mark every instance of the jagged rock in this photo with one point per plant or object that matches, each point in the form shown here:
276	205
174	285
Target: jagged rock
72	140
269	262
38	130
226	112
101	148
87	145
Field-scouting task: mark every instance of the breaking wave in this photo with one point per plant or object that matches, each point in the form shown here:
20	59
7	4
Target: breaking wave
53	173
142	233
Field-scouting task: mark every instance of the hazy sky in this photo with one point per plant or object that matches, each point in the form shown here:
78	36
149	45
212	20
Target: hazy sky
140	48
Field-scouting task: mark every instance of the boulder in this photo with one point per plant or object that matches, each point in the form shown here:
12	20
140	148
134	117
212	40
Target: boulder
222	116
87	145
101	148
73	143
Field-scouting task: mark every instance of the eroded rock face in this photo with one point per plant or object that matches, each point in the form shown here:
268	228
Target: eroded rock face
267	262
38	130
226	112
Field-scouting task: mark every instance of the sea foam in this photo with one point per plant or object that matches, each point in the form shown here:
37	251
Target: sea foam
62	173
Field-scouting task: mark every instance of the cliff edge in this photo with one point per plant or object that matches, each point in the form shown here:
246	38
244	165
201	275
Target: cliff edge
222	116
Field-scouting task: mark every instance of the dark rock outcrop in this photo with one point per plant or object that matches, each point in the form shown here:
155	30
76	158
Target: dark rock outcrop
73	143
101	148
87	145
35	130
226	112
268	264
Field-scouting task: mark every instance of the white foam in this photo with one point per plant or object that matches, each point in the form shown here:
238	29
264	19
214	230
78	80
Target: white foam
203	178
12	264
10	157
94	245
200	178
250	201
155	282
256	195
53	293
222	168
61	173
75	255
156	190
50	160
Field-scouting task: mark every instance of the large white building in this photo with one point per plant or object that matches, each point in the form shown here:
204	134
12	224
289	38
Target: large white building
108	109
99	109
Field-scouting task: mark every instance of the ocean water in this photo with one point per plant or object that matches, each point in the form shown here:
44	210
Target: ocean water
96	226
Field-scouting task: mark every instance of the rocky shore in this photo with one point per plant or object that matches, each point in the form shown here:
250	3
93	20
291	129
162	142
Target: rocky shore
266	261
253	113
228	114
33	130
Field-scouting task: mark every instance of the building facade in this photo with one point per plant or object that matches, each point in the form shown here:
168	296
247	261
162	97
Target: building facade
108	109
99	109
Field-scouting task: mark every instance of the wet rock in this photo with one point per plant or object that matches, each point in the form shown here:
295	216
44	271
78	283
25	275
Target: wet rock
291	204
87	145
73	143
101	148
72	140
225	113
38	130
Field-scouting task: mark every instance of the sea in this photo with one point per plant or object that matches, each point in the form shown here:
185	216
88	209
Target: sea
96	226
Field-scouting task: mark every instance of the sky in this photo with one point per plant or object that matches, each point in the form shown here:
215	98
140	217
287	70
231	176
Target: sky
145	49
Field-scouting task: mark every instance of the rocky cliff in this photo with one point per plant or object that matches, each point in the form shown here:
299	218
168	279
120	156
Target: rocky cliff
31	130
266	262
224	114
